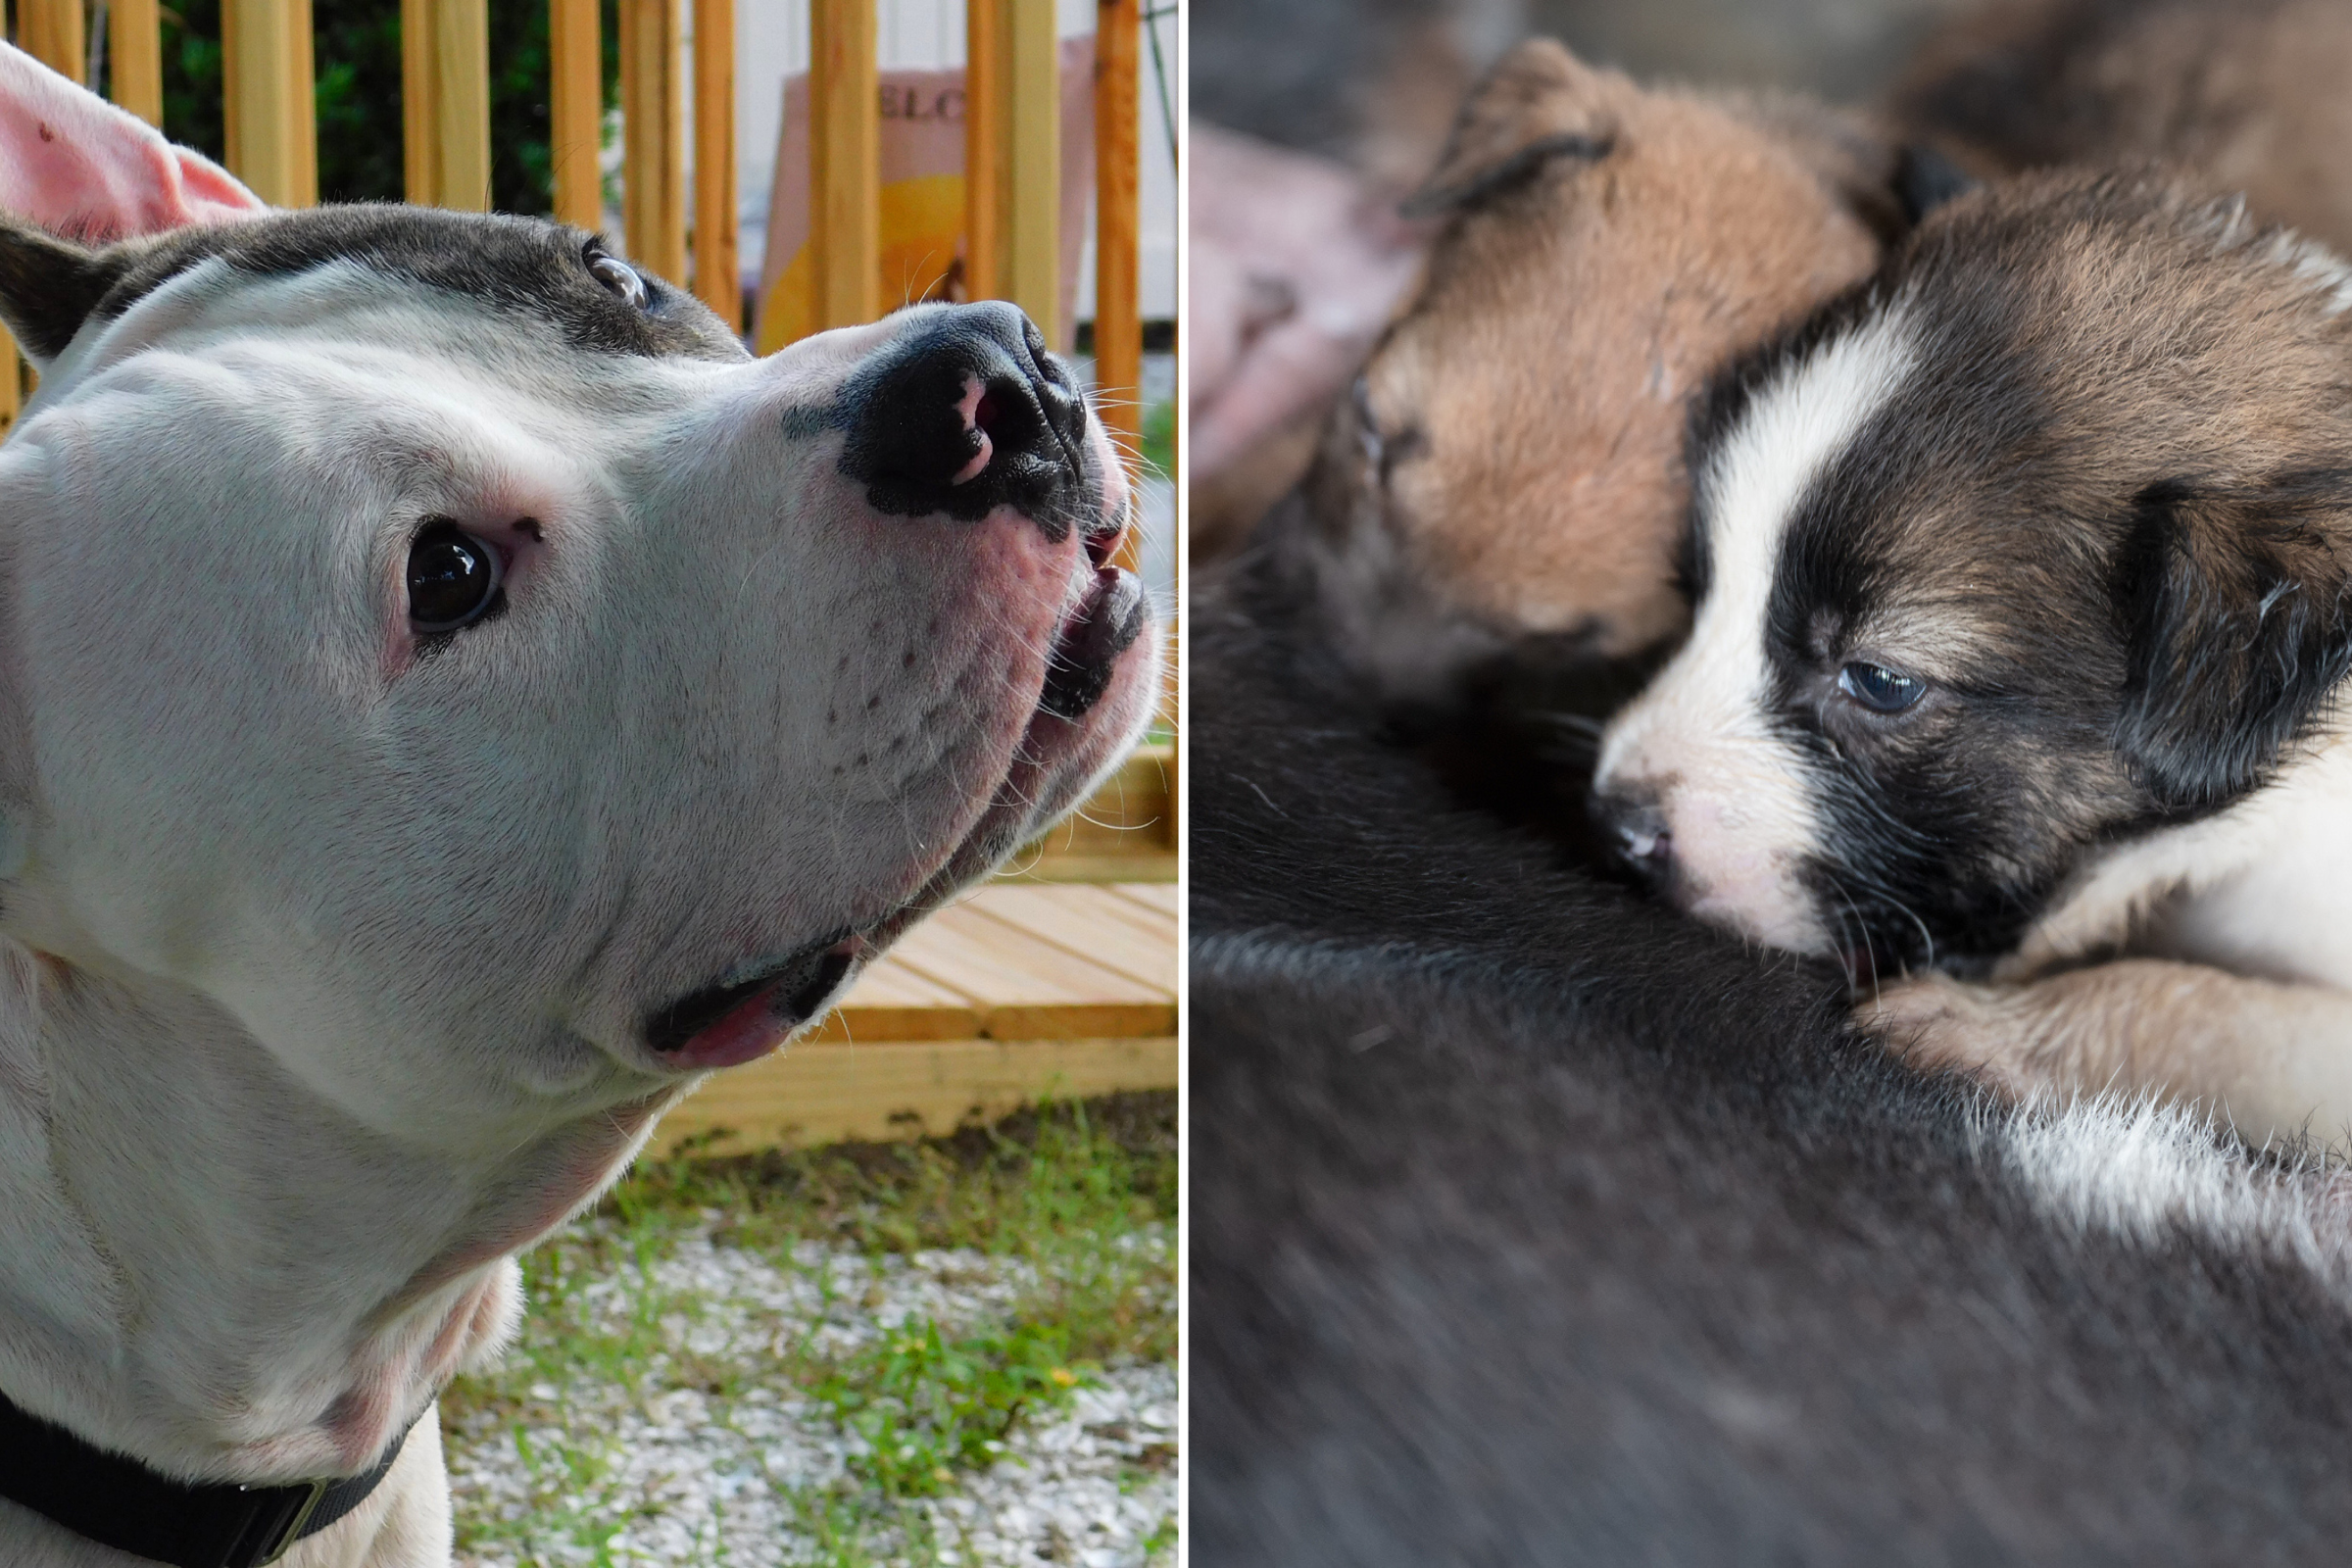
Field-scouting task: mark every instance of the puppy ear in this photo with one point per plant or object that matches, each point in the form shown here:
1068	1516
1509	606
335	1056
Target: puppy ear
1539	103
76	165
1925	179
1888	187
49	286
2236	602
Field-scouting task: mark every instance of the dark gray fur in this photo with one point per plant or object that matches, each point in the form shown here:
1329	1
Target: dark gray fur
526	265
1532	1224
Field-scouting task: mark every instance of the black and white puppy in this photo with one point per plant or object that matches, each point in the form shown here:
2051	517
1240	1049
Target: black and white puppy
2021	580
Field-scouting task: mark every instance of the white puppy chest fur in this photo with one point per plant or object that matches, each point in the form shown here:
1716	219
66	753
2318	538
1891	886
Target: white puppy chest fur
336	954
2023	603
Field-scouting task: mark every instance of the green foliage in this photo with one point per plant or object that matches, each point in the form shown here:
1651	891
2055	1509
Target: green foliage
356	59
926	1405
1159	438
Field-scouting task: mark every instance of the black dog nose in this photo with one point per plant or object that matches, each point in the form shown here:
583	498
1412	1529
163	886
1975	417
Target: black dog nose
966	412
1635	828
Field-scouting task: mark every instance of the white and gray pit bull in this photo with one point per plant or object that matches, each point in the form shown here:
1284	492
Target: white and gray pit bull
452	698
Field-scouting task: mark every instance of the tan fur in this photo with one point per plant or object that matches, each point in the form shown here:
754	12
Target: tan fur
1527	408
2266	1056
2244	96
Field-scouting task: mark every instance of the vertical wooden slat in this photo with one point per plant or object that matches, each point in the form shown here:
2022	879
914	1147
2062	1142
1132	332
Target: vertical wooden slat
270	123
51	31
984	117
461	102
135	52
445	102
1033	155
844	160
420	152
653	115
1118	320
718	278
576	111
302	104
12	371
11	368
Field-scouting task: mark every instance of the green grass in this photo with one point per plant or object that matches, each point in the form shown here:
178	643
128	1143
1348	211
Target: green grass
1071	1210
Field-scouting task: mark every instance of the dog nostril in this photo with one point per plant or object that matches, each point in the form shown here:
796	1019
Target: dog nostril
1638	832
965	413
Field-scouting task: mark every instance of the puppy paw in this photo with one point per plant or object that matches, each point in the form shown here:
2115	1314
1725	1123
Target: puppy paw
1937	1025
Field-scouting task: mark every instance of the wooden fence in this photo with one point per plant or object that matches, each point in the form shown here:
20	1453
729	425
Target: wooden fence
1012	140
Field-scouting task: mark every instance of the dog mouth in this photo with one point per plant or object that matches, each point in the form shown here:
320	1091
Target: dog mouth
1112	613
749	1014
755	1007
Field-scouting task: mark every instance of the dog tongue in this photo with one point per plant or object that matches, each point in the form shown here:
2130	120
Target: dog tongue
755	1028
723	1025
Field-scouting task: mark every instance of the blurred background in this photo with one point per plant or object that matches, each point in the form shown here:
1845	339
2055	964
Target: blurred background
1309	73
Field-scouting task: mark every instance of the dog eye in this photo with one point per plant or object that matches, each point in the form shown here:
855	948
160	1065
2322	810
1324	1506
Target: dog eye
1880	689
622	280
453	580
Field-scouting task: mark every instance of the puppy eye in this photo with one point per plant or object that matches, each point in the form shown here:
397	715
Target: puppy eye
1880	689
622	280
453	580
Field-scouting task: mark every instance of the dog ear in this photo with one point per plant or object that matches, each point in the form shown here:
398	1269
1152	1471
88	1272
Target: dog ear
1925	179
1539	103
1888	186
49	286
2235	604
76	165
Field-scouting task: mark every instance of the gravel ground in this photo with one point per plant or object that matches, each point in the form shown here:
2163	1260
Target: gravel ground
673	1437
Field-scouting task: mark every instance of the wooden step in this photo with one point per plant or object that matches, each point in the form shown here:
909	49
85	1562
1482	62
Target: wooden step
1019	962
1013	992
1125	832
817	1093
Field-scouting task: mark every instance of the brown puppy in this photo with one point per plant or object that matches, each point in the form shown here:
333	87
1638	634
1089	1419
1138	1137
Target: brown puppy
2242	95
1510	464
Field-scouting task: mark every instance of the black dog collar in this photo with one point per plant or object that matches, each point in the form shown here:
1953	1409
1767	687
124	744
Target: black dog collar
120	1502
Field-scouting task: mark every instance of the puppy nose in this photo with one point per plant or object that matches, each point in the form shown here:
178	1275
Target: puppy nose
1635	829
966	412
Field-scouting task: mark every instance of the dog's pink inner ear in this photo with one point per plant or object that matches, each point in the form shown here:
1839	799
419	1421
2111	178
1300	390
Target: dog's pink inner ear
76	165
1541	103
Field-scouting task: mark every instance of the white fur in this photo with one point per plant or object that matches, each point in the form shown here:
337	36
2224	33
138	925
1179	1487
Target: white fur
2255	888
322	968
2316	263
2144	1169
1698	738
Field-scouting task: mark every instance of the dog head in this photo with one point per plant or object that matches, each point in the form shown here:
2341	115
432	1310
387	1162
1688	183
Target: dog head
1509	465
2043	541
437	643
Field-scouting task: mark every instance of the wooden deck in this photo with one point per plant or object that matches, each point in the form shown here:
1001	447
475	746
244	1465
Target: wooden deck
1126	832
1018	988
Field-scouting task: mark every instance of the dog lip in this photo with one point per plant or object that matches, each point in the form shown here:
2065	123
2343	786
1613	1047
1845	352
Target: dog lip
749	1014
1110	616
